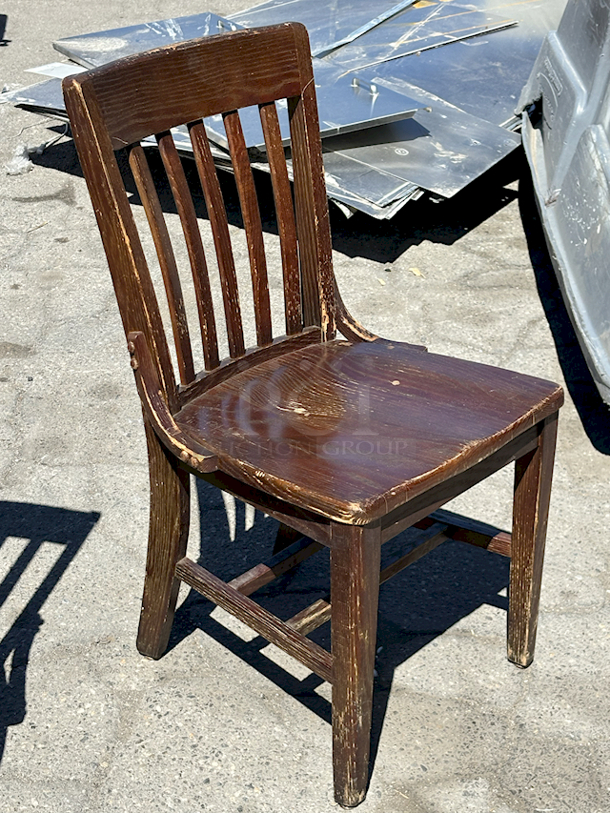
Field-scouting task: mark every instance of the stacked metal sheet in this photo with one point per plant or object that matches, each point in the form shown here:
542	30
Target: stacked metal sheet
414	97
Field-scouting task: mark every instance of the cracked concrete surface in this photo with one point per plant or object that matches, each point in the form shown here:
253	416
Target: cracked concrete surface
222	723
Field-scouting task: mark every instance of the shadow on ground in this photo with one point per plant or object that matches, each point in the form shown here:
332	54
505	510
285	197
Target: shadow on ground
423	602
38	524
592	411
359	236
3	22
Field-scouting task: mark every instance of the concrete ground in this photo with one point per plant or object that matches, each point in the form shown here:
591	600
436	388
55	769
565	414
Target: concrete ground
87	724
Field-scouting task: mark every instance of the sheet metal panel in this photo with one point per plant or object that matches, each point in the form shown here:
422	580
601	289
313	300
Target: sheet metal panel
441	149
100	47
568	151
344	103
327	22
363	29
471	87
45	97
484	76
418	28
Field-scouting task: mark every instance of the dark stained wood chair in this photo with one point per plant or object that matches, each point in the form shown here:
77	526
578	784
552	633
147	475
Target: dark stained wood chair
346	441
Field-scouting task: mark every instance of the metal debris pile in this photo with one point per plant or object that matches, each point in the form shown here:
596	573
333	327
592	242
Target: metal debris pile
414	98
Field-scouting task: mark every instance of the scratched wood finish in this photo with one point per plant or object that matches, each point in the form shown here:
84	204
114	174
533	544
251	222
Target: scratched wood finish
166	87
356	430
281	345
533	475
471	531
167	537
354	587
222	239
282	425
167	261
126	260
307	652
282	195
282	562
318	613
459	528
252	225
194	244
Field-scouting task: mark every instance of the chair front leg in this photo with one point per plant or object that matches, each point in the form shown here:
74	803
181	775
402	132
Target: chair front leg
167	538
354	557
533	475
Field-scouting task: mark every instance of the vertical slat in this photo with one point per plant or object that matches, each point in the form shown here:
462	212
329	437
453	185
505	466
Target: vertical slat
311	203
252	225
222	241
533	475
284	212
354	572
192	236
167	261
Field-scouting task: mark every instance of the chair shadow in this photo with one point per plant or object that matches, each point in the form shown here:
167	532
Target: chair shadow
359	236
592	411
423	602
3	22
38	524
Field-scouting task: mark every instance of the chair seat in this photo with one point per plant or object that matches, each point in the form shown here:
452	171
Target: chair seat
355	430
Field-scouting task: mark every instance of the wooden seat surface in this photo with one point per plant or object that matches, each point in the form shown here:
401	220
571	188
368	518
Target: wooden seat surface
355	430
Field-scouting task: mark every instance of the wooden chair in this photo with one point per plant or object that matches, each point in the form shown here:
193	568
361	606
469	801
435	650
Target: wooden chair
346	441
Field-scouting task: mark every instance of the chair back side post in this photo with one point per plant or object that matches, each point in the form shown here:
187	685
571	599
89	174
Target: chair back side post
130	276
311	201
119	104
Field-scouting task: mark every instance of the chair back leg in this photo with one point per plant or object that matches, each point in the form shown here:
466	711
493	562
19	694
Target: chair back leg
167	538
533	475
354	557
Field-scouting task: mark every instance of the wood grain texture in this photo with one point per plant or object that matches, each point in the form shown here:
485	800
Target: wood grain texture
533	476
194	244
354	585
311	203
155	91
167	537
271	628
311	617
252	225
157	413
167	261
353	431
130	275
280	346
473	532
283	561
284	210
222	240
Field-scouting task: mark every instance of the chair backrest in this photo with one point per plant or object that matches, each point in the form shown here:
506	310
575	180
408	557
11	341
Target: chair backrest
117	105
